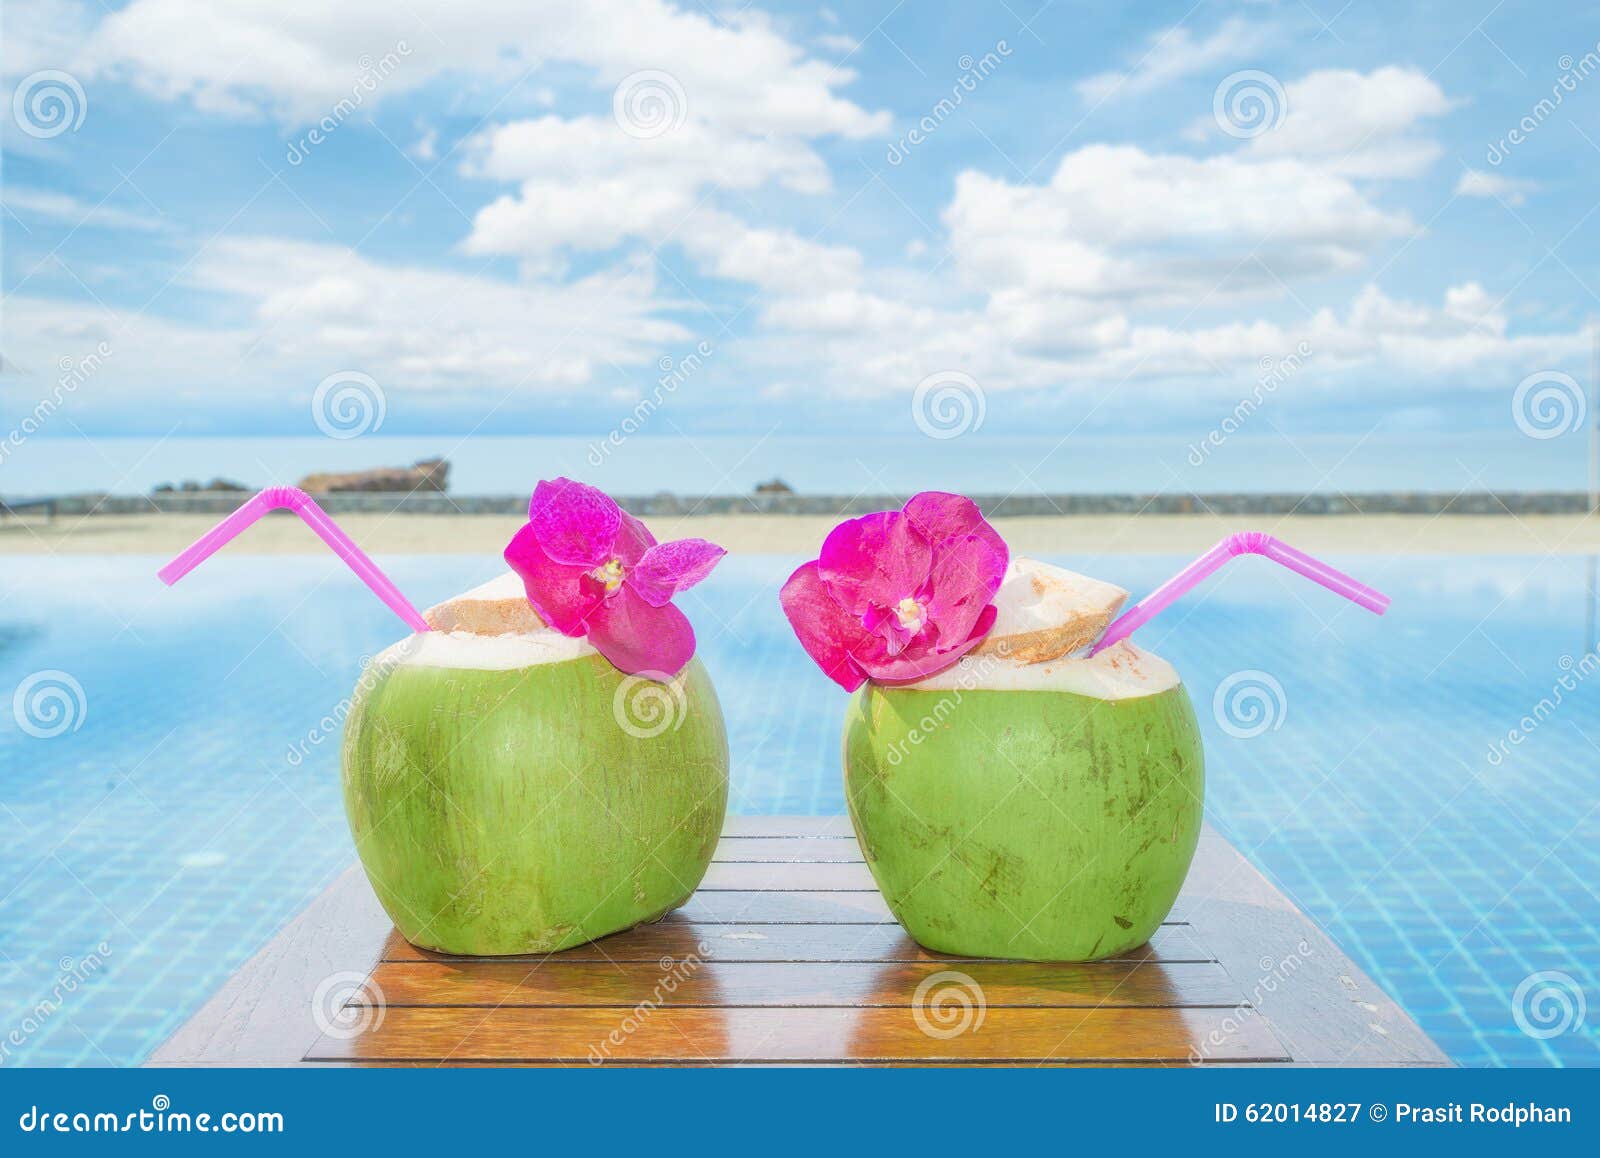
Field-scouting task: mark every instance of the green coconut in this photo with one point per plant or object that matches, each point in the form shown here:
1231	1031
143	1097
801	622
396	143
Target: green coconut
515	793
1039	811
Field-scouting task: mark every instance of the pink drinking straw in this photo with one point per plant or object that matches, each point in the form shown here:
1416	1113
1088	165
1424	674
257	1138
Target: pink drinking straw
302	504
1243	543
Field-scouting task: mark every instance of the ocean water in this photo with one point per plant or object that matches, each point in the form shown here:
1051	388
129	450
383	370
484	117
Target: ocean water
169	786
870	463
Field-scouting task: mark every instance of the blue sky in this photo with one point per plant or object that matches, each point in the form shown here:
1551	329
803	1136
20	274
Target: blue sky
517	213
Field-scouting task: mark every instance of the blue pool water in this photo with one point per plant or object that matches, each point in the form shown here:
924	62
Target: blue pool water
166	833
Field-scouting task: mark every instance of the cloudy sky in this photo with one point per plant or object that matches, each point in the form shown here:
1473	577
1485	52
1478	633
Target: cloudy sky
511	215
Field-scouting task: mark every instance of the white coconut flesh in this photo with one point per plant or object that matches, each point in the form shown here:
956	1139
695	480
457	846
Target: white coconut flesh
1047	619
490	628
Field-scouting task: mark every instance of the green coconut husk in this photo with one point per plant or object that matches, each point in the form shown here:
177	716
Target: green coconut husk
1043	825
529	809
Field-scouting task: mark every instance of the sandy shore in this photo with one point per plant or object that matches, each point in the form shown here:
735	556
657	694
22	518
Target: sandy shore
800	534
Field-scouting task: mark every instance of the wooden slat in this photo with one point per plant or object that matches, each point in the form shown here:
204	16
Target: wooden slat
679	939
735	906
788	827
778	877
782	984
827	849
801	1035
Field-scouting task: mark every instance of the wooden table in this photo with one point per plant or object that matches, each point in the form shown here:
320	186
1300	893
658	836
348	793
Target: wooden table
787	954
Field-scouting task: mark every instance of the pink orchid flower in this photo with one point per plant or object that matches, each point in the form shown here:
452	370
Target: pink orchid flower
898	595
591	569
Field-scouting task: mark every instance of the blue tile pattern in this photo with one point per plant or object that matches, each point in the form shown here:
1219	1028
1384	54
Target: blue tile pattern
171	825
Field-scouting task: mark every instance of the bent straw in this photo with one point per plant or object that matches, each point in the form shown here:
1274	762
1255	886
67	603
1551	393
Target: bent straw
1243	543
302	504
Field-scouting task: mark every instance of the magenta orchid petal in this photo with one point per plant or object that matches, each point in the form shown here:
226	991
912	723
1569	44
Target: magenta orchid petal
633	541
592	570
574	523
966	574
874	560
899	595
940	516
640	639
668	568
564	595
825	630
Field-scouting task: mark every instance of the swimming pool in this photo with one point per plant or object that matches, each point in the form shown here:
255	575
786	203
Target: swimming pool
190	803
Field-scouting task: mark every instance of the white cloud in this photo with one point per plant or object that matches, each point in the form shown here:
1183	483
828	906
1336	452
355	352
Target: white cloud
1115	222
71	211
246	56
1175	53
1359	125
1477	183
302	311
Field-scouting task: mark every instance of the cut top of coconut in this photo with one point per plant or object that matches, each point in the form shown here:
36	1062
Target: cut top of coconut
1120	672
498	607
1045	612
493	627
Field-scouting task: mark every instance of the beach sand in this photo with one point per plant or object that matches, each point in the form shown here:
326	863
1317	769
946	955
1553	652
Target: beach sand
413	534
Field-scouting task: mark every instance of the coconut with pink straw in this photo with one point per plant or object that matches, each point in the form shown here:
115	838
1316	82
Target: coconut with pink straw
541	761
1025	780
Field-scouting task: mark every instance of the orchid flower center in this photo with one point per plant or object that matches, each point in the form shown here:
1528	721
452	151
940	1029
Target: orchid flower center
609	575
911	614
